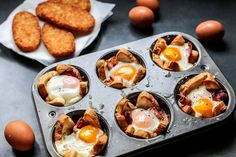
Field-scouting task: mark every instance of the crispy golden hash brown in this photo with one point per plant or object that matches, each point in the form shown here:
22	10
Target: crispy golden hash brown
26	31
82	4
59	42
66	16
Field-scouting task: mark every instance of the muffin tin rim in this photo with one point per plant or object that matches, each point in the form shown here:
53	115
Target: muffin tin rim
185	36
138	57
215	68
100	117
44	71
168	110
191	76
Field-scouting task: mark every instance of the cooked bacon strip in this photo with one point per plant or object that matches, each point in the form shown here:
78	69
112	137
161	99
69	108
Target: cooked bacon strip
164	121
156	112
192	54
190	49
80	123
128	117
220	95
111	62
192	58
185	101
159	114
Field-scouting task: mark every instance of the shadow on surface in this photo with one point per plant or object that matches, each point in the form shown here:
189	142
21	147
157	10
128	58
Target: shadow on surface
11	55
35	150
218	46
29	153
213	140
148	31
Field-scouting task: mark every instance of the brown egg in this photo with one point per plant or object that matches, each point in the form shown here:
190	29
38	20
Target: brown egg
141	16
210	30
19	135
154	5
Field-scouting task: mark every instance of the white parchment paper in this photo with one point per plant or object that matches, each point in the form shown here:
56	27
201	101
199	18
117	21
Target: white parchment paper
100	11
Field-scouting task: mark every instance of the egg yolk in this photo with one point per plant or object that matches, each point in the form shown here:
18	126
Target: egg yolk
204	107
172	53
88	134
125	71
70	82
141	120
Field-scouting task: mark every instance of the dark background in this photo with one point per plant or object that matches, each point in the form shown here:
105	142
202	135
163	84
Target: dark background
17	73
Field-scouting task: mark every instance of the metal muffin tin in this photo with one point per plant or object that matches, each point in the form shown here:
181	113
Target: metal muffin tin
104	99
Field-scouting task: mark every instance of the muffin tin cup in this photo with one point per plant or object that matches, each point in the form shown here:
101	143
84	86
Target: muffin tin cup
157	80
113	53
168	38
164	104
185	79
85	77
75	115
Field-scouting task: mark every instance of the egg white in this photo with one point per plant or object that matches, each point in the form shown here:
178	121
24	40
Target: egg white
148	113
127	83
73	142
56	88
183	62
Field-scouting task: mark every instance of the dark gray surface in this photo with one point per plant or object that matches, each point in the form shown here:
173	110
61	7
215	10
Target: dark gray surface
17	73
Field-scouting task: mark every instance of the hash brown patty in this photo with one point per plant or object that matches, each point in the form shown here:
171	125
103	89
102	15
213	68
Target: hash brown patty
59	42
66	16
26	31
82	4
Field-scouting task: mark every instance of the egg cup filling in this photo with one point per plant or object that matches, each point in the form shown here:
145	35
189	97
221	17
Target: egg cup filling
145	119
179	55
202	96
63	86
85	138
120	71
